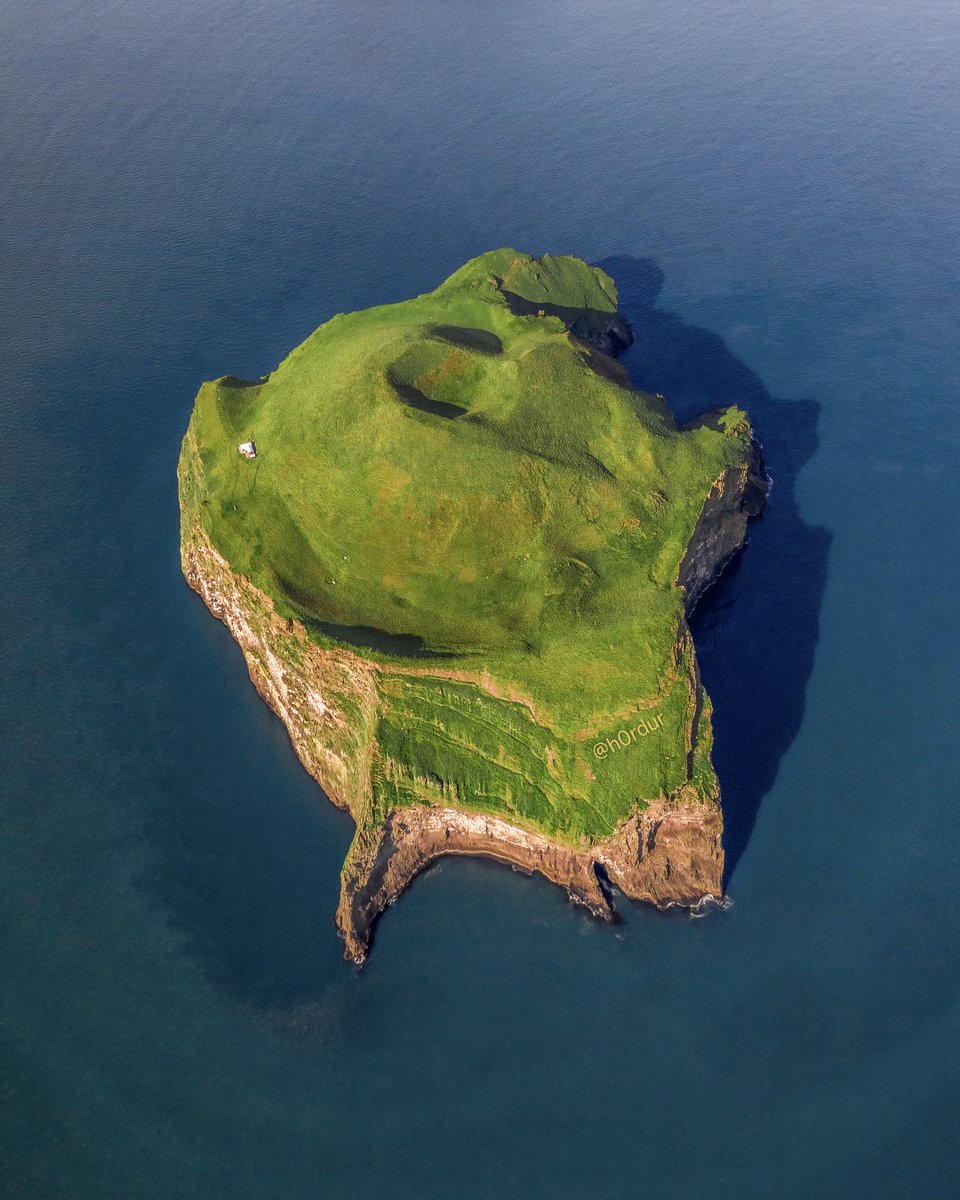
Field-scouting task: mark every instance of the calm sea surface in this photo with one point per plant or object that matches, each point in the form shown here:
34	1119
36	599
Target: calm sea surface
187	190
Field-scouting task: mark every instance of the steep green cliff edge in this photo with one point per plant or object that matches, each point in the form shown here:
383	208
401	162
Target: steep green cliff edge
461	493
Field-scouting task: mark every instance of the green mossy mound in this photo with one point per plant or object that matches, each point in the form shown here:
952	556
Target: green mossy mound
462	491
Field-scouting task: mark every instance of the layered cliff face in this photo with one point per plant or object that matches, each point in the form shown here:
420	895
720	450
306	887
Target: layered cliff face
670	854
739	494
566	732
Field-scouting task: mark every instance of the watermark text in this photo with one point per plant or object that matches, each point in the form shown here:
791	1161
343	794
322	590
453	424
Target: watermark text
627	737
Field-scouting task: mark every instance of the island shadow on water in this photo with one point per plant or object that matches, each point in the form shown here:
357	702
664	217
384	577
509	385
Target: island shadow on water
756	629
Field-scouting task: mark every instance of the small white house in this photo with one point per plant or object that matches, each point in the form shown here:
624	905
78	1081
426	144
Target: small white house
248	449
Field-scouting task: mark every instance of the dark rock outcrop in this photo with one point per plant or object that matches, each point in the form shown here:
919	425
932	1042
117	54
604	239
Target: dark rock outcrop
739	494
613	338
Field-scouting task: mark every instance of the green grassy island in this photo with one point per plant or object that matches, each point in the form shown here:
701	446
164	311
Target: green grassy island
458	552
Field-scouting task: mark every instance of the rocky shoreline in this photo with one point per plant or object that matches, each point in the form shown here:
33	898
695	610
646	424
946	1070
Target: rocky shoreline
669	855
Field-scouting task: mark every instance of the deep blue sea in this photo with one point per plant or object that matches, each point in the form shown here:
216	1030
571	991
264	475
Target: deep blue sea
187	189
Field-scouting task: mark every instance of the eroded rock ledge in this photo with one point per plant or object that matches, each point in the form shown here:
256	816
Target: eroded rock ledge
669	854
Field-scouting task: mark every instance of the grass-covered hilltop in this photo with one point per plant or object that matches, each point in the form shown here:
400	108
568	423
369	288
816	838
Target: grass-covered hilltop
458	566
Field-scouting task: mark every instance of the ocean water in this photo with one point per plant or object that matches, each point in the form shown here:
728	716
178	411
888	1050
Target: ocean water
187	190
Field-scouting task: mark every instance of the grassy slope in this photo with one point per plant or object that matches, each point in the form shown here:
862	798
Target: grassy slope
478	483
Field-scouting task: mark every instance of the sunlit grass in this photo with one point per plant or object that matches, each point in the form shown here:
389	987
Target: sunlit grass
460	470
